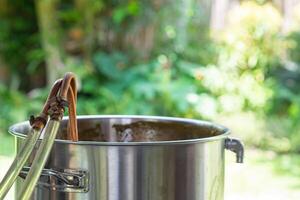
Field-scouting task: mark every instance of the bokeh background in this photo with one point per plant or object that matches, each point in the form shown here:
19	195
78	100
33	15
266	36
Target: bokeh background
233	62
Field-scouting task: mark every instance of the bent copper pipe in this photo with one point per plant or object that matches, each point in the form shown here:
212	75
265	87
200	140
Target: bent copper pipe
30	142
62	89
54	91
42	119
68	92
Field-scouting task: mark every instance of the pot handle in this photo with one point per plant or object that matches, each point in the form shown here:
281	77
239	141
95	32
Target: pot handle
236	146
67	180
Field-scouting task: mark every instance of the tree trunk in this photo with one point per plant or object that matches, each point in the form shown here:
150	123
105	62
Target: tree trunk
49	30
88	9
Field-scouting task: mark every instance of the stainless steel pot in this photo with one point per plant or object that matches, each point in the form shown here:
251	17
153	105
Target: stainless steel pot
134	158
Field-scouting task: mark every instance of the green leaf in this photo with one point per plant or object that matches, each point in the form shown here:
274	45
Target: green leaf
110	65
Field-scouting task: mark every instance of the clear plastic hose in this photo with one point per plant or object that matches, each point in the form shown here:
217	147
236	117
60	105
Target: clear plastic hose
40	159
19	162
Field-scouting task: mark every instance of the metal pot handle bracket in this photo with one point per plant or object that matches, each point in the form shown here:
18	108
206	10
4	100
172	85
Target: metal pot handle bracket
236	146
67	180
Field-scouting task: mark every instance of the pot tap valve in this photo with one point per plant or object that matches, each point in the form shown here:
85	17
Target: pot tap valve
237	147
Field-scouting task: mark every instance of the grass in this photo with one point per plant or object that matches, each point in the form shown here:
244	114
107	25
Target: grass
263	176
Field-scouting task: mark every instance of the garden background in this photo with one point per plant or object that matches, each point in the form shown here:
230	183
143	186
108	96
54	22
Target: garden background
233	62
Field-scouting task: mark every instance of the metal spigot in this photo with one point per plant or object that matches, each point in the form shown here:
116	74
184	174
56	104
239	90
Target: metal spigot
237	147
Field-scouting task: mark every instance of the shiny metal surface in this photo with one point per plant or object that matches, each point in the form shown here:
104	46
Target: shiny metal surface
175	164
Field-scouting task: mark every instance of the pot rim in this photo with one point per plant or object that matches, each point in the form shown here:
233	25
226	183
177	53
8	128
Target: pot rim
223	129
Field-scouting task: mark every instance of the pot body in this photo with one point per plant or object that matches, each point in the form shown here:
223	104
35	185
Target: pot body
184	170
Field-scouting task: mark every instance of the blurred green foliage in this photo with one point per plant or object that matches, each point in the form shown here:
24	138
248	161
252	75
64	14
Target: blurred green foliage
156	88
19	41
246	75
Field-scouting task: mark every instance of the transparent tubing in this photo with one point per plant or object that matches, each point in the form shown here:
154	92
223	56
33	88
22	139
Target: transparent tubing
19	162
40	160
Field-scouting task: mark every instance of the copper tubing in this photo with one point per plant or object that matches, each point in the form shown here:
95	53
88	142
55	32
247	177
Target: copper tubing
63	90
68	92
40	121
37	125
54	91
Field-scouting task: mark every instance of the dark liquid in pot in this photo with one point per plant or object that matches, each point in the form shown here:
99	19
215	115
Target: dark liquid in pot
138	131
